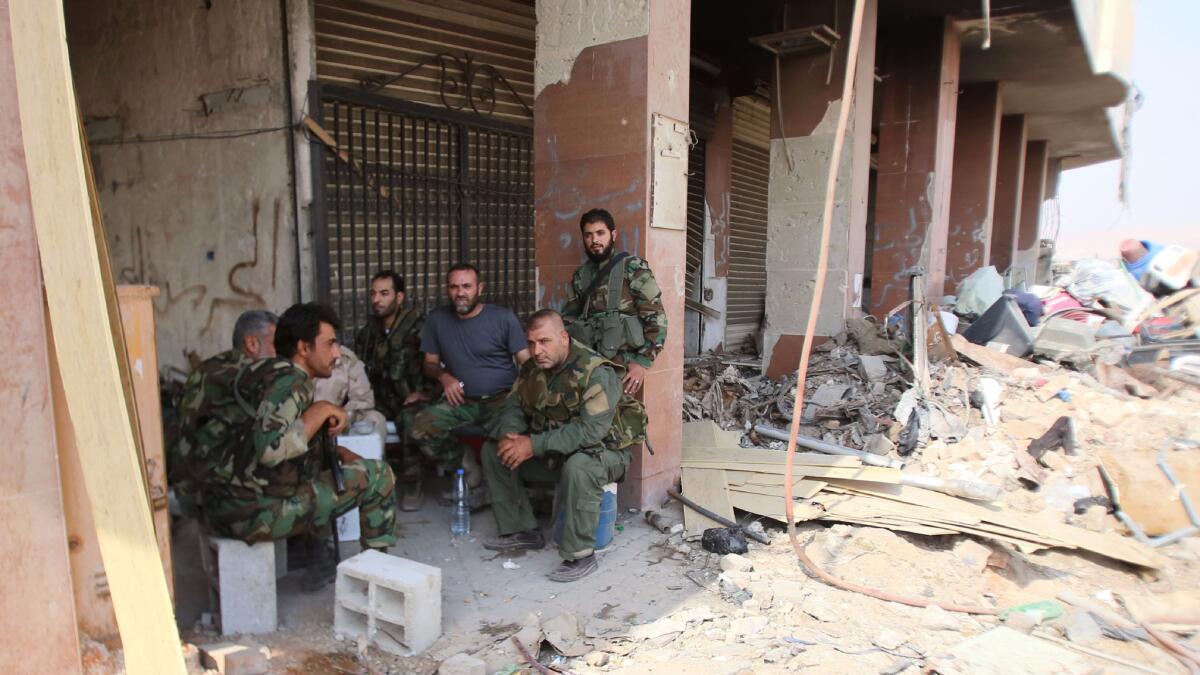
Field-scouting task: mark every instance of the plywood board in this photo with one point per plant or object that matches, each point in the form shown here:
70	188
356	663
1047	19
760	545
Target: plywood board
803	489
80	315
763	456
707	488
867	473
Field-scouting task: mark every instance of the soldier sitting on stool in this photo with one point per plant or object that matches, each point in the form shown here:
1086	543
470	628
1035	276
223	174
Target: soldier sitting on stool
565	419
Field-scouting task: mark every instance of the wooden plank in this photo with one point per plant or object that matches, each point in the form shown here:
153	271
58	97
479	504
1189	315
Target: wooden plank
803	489
737	456
707	488
991	359
866	473
84	341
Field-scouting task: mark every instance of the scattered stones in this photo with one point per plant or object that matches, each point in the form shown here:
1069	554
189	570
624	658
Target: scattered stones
1082	629
733	562
888	639
750	625
462	664
819	608
878	444
936	618
229	658
596	659
873	368
972	554
1021	622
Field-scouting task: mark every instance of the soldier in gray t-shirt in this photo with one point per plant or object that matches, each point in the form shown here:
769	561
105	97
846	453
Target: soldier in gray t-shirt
470	349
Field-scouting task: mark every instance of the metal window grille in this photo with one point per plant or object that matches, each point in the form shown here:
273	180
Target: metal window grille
423	189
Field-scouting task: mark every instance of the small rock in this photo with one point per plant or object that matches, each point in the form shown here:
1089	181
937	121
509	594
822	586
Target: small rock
752	605
596	659
1082	629
229	658
819	609
888	639
873	368
878	444
683	548
972	554
756	527
733	562
1022	622
676	528
1096	518
777	655
1057	462
750	625
462	664
936	618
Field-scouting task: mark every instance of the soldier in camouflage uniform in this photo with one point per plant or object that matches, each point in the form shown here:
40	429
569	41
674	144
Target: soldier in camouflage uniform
390	346
566	419
247	443
211	382
613	304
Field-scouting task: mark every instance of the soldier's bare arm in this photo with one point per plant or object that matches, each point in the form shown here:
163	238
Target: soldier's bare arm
522	356
451	386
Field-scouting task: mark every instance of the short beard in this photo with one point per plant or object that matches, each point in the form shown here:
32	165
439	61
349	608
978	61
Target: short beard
470	308
601	256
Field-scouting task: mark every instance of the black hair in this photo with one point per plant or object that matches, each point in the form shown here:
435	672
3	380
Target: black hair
252	322
397	280
462	267
302	322
540	316
597	216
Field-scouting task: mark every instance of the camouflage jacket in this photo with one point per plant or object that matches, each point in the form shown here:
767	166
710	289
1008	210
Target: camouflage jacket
637	339
200	422
347	387
240	428
576	407
393	359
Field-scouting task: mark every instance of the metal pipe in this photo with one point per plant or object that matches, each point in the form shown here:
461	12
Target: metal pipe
760	538
829	448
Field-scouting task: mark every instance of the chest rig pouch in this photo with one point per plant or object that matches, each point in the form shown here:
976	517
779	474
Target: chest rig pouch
609	331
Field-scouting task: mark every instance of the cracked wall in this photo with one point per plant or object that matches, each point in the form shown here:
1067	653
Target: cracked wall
208	221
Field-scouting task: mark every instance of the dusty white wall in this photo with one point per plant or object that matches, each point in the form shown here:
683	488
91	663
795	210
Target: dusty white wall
567	27
208	221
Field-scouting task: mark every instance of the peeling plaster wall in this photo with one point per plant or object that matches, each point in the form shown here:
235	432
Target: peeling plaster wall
797	201
567	27
208	221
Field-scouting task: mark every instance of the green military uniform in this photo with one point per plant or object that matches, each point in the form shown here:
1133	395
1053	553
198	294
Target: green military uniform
197	426
394	366
581	427
622	318
243	450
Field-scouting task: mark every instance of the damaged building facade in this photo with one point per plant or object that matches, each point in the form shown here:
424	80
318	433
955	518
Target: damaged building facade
256	154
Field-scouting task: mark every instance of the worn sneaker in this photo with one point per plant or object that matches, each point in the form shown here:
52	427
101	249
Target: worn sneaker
412	498
574	570
531	540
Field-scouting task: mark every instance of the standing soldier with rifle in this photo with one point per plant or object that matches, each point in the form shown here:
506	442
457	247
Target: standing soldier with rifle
614	305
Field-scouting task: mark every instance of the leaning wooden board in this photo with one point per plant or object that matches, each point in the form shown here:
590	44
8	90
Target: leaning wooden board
80	316
707	488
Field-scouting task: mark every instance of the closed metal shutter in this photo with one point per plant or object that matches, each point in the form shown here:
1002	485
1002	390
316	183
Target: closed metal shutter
748	220
432	100
357	40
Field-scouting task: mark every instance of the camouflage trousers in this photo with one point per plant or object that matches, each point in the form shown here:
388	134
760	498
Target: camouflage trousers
581	479
431	425
413	450
369	486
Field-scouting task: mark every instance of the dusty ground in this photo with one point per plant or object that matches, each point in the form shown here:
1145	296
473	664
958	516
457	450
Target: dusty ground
662	605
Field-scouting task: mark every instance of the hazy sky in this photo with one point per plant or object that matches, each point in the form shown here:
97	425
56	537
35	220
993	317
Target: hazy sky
1166	147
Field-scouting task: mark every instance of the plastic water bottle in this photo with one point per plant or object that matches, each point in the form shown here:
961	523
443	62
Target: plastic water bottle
461	520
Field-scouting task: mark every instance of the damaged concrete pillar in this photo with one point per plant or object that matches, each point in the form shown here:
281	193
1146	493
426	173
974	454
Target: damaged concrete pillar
809	94
1010	172
605	74
1033	193
973	192
916	142
718	172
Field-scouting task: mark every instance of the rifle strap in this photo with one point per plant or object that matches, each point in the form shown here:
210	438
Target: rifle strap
601	274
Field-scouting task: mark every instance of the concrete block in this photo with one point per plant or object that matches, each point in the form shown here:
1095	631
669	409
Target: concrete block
462	664
395	603
229	658
367	446
245	585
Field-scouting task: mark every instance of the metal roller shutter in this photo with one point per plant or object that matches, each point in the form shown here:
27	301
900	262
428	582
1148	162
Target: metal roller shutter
432	99
695	219
748	220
